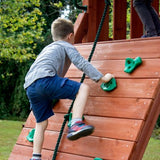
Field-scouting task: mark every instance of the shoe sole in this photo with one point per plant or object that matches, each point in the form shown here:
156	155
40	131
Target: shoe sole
81	133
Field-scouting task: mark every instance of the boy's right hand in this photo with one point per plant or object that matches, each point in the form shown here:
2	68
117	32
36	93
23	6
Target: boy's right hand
106	78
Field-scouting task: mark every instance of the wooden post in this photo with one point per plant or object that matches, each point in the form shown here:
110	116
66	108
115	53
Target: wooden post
80	27
95	11
155	4
119	19
136	24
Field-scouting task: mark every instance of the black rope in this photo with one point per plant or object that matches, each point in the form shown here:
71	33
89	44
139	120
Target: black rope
66	117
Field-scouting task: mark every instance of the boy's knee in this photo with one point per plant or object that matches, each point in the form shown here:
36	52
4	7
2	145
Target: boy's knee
84	87
43	124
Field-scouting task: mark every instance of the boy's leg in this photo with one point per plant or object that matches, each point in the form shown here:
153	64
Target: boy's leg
80	101
41	106
78	128
64	88
38	138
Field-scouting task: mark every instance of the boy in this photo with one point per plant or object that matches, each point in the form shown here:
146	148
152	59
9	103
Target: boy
44	82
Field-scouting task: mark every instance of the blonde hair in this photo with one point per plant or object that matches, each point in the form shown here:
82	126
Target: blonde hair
60	28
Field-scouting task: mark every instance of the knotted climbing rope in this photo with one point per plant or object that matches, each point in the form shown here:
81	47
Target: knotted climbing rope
66	117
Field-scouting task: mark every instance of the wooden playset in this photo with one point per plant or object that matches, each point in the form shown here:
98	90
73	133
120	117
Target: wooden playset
123	118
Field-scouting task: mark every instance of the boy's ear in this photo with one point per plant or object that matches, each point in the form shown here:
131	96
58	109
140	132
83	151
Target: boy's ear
70	35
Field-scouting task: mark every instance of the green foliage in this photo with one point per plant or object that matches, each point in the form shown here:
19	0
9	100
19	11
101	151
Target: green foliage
67	9
50	11
128	18
158	122
21	28
156	133
13	99
24	26
59	4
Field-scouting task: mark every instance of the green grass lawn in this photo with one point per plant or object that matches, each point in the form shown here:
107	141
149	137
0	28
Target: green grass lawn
10	130
153	150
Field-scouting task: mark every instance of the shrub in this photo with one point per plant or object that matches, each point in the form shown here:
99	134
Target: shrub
13	99
21	28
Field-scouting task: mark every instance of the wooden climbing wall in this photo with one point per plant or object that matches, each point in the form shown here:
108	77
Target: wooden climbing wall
123	119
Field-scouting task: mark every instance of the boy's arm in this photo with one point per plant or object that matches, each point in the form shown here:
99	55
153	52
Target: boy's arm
87	67
84	65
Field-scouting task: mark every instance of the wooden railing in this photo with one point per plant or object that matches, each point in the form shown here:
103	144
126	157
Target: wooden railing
87	22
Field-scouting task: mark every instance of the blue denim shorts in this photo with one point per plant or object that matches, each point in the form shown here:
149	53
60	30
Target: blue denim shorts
42	92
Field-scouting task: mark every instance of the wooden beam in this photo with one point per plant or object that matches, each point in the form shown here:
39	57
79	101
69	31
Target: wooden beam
155	4
95	11
140	147
80	27
136	29
119	19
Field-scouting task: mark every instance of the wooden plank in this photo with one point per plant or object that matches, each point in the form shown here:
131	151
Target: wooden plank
118	149
149	68
95	11
155	4
104	33
100	106
148	128
21	152
119	19
108	107
24	153
92	27
148	48
128	88
80	27
136	28
118	107
65	156
125	129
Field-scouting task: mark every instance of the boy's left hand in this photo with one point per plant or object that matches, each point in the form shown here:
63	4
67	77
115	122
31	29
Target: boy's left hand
106	78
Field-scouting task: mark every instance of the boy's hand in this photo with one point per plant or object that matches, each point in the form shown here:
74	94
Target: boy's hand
106	78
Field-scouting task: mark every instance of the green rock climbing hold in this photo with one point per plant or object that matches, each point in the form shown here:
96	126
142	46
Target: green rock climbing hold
70	118
109	86
131	64
98	158
31	135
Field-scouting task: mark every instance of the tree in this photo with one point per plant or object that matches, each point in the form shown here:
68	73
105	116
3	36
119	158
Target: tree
21	27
